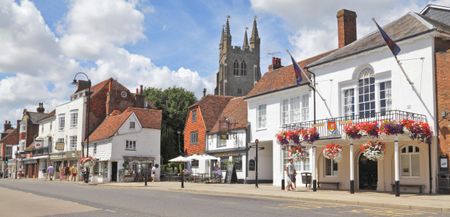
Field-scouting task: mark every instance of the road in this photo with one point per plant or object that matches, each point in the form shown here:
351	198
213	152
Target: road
68	199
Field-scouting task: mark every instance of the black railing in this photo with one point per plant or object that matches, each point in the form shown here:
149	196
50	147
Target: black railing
334	127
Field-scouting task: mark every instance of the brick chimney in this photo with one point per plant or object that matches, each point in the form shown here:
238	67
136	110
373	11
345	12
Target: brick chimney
276	64
140	98
41	108
6	126
109	97
204	92
346	20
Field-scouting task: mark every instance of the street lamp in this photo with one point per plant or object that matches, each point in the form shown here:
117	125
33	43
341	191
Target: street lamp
88	104
313	87
179	143
257	148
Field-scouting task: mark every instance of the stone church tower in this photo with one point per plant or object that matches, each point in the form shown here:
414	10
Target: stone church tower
238	66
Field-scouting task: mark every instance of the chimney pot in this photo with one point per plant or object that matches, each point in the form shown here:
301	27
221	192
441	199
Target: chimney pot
204	92
142	89
276	63
346	21
40	108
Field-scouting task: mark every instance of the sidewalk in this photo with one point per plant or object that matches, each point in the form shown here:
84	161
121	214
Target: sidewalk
435	203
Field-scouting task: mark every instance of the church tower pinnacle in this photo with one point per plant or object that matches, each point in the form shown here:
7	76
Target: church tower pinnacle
245	43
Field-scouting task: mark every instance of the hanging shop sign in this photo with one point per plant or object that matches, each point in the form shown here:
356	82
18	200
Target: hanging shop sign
59	146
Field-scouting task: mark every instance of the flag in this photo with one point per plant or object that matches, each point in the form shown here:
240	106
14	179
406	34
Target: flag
390	43
299	73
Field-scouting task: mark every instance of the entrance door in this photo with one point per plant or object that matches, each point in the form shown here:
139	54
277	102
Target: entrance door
113	171
368	174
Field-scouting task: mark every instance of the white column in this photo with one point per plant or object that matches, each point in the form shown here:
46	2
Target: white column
313	168
352	170
397	167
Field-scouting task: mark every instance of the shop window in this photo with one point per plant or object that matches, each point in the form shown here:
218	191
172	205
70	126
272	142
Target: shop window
251	165
331	167
194	163
224	163
194	116
237	163
410	161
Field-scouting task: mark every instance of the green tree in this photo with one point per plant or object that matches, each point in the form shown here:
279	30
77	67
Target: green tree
174	103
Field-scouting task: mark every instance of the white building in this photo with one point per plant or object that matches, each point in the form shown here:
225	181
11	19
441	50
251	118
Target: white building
360	81
125	144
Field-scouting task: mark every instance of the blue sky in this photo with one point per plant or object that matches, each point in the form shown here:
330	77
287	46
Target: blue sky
157	43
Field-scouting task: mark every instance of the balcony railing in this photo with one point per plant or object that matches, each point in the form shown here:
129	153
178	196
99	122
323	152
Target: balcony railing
334	127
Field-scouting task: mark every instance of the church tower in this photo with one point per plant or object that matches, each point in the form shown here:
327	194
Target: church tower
239	68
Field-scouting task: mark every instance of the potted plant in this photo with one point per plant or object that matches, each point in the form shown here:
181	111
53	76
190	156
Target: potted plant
299	153
368	129
391	128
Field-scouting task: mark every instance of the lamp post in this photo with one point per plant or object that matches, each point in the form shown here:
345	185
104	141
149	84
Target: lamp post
88	104
179	143
313	87
256	166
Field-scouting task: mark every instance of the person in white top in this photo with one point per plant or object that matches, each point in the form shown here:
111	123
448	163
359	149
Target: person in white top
291	173
155	173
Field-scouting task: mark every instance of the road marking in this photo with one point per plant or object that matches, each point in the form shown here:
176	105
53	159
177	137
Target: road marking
110	210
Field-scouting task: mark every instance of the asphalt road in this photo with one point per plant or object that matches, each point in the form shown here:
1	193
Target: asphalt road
145	201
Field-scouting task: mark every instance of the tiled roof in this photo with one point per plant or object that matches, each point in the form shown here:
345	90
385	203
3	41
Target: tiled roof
236	112
407	26
12	138
280	78
211	106
104	84
148	118
35	117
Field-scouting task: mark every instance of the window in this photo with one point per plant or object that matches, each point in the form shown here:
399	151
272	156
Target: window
385	97
74	118
194	163
194	116
194	137
223	163
8	153
95	148
237	163
331	167
73	143
295	109
132	125
285	111
349	102
239	91
243	68
222	140
299	165
305	107
366	85
62	121
261	117
130	145
410	161
236	68
60	140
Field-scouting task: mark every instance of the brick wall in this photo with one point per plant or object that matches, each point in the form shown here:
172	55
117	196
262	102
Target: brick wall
198	126
443	94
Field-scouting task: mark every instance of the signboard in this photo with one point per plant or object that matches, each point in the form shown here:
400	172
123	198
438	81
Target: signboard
224	136
444	163
38	144
332	127
59	146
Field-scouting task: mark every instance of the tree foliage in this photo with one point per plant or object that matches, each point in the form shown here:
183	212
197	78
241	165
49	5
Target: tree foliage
174	103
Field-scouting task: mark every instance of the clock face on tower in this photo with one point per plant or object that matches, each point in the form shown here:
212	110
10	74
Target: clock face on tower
123	94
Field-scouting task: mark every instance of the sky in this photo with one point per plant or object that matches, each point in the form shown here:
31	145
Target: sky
157	43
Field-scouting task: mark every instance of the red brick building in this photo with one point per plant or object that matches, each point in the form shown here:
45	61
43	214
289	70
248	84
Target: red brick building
201	119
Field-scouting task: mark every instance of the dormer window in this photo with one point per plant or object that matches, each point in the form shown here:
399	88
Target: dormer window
132	125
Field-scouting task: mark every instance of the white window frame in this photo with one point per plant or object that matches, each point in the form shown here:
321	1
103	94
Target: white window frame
261	117
352	104
305	107
74	118
132	125
73	143
61	121
332	169
130	145
387	96
193	137
285	111
409	155
366	112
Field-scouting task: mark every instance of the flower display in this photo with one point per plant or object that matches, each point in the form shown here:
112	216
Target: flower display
418	130
87	162
352	131
299	153
368	129
391	128
332	152
373	150
310	135
282	138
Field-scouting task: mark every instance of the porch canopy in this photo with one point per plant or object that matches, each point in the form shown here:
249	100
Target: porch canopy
387	126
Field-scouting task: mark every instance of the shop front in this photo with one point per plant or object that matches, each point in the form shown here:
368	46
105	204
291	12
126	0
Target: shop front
63	159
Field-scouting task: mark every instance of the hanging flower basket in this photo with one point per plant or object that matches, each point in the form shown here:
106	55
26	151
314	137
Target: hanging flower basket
352	131
299	153
373	150
282	138
332	152
310	135
293	137
368	129
392	128
418	130
87	162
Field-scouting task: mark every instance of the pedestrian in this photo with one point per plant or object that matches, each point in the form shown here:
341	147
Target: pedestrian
61	172
74	172
155	173
290	169
50	171
66	172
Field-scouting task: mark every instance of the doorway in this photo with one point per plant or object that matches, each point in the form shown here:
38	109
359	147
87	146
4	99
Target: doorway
113	171
368	173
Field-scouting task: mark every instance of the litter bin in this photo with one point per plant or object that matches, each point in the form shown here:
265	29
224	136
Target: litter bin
444	182
306	178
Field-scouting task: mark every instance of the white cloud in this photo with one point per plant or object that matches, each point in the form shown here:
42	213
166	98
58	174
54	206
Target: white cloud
314	26
40	63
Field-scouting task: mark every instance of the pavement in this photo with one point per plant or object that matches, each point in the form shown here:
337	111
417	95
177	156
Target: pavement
425	202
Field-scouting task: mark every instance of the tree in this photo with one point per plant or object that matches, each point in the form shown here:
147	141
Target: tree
174	103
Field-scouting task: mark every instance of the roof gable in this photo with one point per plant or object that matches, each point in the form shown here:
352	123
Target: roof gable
211	106
438	13
12	138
